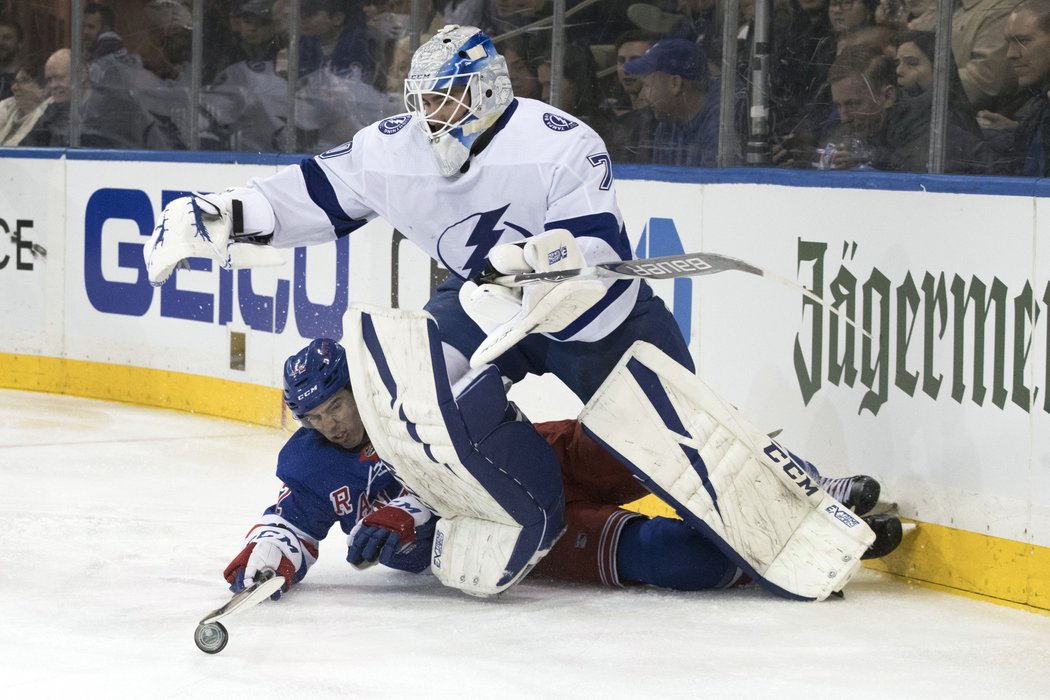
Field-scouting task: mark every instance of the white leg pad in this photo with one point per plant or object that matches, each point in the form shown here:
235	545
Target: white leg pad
399	381
725	477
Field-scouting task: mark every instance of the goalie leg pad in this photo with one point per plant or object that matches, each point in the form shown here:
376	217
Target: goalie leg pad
493	480
725	477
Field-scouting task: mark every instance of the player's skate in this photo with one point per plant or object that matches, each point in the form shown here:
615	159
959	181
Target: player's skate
859	493
888	534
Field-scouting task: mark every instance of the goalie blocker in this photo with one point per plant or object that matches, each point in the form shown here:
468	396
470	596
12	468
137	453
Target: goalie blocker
725	477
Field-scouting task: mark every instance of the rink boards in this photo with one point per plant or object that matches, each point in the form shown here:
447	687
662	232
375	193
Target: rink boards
940	389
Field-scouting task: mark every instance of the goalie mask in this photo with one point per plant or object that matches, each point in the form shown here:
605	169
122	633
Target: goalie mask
313	375
457	87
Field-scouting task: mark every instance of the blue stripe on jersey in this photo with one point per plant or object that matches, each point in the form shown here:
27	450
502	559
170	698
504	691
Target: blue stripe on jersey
602	226
323	195
617	290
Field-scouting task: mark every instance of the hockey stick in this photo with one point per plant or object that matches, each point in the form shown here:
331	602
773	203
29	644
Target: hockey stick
660	268
211	636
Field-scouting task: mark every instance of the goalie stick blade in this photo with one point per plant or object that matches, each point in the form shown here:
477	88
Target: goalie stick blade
257	593
659	268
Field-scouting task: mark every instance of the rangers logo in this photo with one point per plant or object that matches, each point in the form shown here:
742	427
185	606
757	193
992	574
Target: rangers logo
556	123
394	124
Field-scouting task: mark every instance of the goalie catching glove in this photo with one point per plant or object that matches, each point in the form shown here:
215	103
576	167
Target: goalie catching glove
508	314
398	535
229	227
272	545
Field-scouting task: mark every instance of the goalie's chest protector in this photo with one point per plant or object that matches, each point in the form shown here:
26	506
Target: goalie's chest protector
508	192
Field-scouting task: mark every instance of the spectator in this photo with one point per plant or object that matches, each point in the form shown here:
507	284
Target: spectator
390	30
109	118
254	35
167	38
333	36
20	112
878	128
631	45
11	38
915	62
400	57
979	47
684	100
523	80
915	54
845	15
99	35
579	86
1028	50
892	14
628	129
921	15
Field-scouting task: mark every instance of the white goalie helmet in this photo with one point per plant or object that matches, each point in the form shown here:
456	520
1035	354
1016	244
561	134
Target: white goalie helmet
467	80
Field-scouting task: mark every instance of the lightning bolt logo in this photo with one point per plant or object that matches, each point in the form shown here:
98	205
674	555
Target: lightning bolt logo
484	235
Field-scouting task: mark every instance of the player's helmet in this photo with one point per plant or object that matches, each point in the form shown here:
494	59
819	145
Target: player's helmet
460	67
313	375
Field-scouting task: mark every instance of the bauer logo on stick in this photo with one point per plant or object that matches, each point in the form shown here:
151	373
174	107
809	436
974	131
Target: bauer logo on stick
664	267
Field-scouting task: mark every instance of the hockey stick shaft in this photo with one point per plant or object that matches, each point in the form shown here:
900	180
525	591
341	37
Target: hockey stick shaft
662	268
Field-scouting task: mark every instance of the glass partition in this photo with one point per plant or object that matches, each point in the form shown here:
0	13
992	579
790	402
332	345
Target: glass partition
894	85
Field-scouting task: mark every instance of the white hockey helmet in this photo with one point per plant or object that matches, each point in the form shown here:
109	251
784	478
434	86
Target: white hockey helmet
461	68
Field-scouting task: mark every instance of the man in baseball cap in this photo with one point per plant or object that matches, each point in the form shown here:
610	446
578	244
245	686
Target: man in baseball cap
684	100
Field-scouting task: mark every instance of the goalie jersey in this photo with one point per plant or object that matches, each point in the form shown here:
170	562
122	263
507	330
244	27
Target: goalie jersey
543	169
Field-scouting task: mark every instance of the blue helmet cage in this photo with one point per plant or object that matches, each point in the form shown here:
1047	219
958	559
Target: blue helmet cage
313	375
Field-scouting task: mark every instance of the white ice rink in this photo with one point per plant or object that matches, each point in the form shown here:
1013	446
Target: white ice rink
117	522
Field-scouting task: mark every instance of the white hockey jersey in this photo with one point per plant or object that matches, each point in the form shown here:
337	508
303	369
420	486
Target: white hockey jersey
542	170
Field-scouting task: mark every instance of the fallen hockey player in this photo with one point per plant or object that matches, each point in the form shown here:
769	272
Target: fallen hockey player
332	474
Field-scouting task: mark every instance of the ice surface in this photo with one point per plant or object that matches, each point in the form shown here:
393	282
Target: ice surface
117	521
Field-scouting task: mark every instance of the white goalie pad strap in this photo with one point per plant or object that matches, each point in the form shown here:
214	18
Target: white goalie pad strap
725	477
399	382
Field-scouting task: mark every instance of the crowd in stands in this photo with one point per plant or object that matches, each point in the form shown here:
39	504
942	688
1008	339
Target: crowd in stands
851	81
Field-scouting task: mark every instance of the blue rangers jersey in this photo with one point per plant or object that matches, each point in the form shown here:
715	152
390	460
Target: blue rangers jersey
542	170
324	484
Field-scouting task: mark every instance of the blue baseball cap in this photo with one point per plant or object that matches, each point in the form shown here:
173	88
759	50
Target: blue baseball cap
672	56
